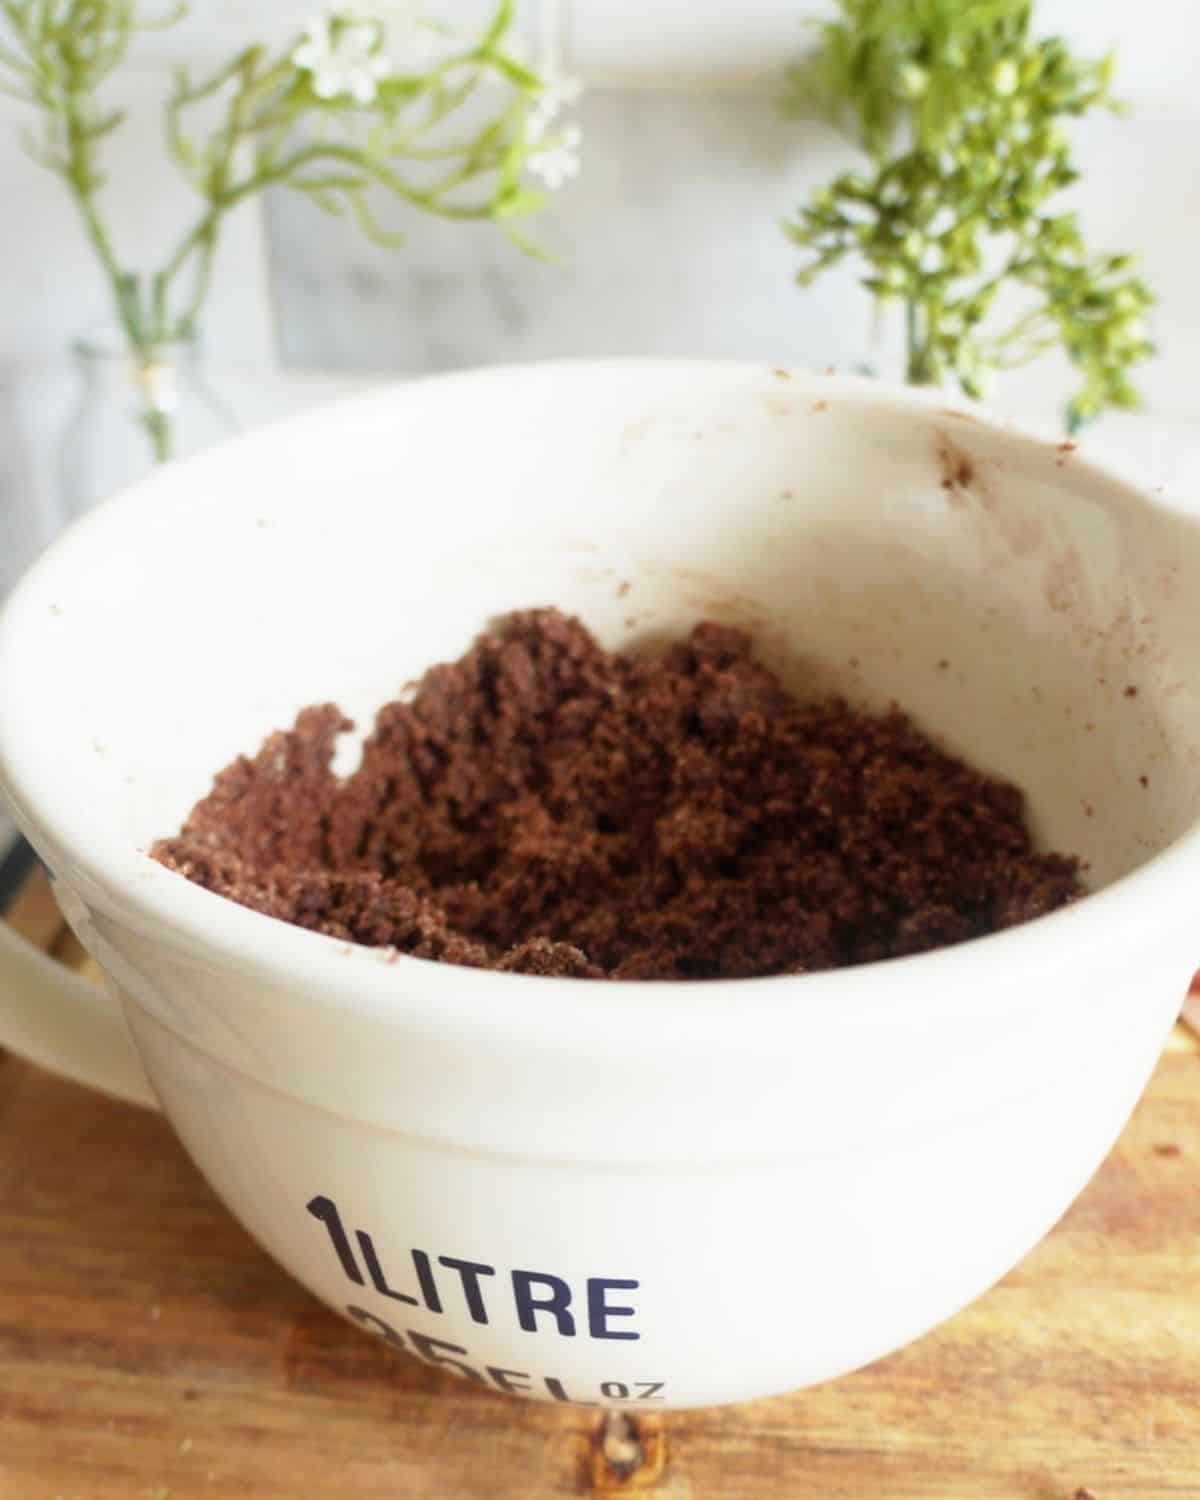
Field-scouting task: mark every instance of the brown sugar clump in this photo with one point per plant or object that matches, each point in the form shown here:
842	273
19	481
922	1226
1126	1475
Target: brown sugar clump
546	807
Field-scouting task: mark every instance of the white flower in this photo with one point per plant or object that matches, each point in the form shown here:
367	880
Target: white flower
558	160
343	57
559	91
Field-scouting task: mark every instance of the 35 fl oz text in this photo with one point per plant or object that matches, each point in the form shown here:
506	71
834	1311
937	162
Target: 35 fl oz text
513	1382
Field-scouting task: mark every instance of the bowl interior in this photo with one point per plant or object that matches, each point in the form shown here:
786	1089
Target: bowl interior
1027	609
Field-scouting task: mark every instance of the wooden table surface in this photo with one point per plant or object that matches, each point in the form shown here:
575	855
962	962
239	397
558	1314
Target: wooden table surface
150	1351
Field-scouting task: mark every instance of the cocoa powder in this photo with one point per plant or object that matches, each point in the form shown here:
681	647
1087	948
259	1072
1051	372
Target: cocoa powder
547	807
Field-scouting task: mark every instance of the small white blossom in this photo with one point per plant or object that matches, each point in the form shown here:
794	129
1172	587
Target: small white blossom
343	57
559	91
557	161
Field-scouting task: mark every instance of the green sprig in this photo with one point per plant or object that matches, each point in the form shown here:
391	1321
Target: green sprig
960	111
452	140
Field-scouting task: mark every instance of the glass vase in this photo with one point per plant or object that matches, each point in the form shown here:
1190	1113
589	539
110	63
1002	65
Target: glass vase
136	409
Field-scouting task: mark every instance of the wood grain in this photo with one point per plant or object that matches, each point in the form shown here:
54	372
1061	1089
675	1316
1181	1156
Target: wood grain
150	1351
34	912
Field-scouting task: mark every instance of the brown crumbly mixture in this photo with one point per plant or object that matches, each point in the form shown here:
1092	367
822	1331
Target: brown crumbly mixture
547	807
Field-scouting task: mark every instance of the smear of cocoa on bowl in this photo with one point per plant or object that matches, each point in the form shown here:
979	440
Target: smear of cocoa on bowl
547	807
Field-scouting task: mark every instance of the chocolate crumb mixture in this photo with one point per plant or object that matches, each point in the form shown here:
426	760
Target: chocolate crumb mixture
547	807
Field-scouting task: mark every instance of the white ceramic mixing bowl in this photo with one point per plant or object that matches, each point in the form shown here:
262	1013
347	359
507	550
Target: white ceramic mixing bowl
641	1194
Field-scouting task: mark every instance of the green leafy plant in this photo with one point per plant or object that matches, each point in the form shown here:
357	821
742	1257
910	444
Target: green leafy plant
371	104
960	110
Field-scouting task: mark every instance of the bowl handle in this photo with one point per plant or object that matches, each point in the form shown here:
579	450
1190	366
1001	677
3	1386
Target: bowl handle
65	1023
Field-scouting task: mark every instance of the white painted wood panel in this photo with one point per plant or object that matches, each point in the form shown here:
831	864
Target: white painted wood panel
666	243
